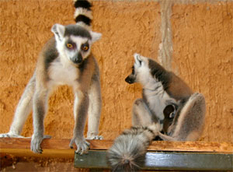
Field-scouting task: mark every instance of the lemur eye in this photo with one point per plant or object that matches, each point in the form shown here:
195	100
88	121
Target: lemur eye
85	47
70	46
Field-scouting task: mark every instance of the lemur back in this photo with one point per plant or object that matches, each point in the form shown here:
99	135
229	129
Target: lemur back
66	59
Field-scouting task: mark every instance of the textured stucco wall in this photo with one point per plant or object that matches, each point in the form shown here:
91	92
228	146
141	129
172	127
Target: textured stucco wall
202	36
203	55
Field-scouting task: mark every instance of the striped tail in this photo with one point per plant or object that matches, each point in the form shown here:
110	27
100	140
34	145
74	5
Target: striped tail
129	149
83	13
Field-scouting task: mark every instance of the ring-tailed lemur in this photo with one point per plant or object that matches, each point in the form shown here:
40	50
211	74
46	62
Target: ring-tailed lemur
160	88
66	59
164	94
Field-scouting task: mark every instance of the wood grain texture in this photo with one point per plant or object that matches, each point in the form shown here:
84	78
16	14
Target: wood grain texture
63	144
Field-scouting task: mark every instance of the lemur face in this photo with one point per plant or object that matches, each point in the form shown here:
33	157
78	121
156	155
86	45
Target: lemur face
140	70
74	42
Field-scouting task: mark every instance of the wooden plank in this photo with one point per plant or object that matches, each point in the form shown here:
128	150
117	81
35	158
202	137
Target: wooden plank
63	144
163	161
51	147
59	144
161	155
47	153
188	161
197	146
94	159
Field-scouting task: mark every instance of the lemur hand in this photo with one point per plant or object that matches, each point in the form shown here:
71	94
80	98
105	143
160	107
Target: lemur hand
94	137
36	142
82	145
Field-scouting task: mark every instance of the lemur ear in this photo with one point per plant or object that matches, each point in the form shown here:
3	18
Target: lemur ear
137	58
58	31
95	36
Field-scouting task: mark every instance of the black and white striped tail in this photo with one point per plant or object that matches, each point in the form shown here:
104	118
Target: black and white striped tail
83	13
129	149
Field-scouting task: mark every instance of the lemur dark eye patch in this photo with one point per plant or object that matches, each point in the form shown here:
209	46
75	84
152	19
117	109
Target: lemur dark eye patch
85	47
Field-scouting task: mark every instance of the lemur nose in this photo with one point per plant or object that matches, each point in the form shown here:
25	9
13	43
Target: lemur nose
77	58
129	80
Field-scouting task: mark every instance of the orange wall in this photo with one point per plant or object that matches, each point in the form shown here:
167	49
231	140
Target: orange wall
202	56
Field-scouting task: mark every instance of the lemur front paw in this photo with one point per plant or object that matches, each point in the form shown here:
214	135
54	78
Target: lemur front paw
82	145
36	142
11	135
94	137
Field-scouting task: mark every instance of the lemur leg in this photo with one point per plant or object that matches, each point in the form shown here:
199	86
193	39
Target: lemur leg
81	104
94	110
40	106
141	114
23	109
190	122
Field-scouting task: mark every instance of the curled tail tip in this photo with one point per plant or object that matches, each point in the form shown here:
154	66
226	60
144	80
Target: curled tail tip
126	161
126	155
83	13
125	165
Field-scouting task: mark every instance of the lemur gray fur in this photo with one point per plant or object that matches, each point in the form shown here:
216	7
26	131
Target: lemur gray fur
129	149
168	103
188	122
66	59
161	88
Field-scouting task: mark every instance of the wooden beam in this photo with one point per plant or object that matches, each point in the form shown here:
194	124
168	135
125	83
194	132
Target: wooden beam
51	147
63	144
163	161
198	155
59	144
197	146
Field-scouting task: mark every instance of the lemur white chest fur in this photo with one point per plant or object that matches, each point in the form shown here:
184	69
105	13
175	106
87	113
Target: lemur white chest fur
156	97
61	74
153	90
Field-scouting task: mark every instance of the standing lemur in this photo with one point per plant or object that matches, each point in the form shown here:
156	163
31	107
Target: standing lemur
167	104
66	59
